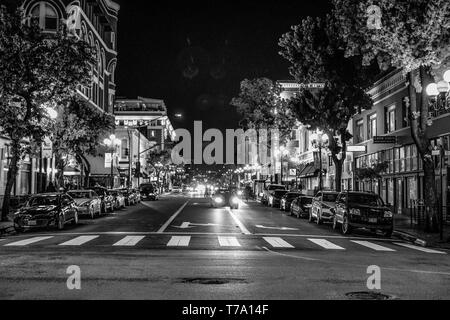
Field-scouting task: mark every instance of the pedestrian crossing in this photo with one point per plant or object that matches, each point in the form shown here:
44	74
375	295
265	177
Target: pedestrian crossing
219	241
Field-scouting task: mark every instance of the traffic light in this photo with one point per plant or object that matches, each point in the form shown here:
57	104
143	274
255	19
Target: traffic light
137	172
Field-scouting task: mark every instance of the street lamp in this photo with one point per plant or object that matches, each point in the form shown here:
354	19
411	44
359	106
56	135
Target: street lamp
319	140
440	94
283	153
112	143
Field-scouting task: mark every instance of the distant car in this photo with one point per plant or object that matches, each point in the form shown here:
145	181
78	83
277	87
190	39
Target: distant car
119	199
87	201
137	195
107	199
148	191
224	197
275	198
177	189
130	198
323	202
286	200
362	210
301	206
46	210
269	191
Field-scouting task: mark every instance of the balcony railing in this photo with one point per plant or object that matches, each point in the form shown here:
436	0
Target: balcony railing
139	107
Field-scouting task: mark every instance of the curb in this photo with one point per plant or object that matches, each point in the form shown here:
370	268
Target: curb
410	238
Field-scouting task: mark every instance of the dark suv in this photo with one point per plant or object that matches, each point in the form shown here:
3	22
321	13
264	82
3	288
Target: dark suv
362	210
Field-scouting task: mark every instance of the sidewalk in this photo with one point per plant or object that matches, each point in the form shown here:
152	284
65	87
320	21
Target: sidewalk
404	230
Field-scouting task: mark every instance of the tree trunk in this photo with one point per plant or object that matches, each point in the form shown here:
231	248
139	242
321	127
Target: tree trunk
60	165
86	166
11	178
419	133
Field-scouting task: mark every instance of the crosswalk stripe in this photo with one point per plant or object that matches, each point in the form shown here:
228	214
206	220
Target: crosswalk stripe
326	244
410	246
179	241
373	246
78	241
229	242
27	241
277	242
129	241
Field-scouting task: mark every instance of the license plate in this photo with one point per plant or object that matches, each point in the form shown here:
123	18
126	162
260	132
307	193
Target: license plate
373	220
32	223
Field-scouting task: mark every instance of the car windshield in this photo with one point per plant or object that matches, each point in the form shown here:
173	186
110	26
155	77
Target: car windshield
365	199
292	195
80	195
147	188
329	197
275	187
280	193
306	200
43	201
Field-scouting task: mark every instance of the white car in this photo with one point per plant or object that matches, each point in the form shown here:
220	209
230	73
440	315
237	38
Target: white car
322	204
87	202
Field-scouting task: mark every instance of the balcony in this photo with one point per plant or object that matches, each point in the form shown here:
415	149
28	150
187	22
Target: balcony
139	107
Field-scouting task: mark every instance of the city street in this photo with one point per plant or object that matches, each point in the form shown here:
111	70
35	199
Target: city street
180	248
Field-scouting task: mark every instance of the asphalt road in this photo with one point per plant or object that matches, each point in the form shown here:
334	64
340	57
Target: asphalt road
181	248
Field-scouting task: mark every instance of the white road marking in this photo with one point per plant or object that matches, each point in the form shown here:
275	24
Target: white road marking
277	242
168	222
238	222
326	244
129	241
275	228
229	242
410	246
27	241
373	246
177	241
78	241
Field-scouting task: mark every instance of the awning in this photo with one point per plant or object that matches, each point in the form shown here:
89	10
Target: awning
309	171
98	166
71	171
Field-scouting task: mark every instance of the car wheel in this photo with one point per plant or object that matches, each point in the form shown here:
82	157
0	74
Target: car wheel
91	213
388	233
291	212
310	217
18	228
75	218
103	208
319	218
60	222
345	227
335	223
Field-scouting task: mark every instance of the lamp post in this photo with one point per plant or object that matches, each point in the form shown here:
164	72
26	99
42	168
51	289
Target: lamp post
112	143
319	140
283	153
52	114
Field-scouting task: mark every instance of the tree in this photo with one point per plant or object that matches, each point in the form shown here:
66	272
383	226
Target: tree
160	161
262	107
38	71
76	132
414	36
314	50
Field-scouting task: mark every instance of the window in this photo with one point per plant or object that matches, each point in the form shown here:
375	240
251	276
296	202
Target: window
372	126
359	131
124	149
405	112
390	125
44	15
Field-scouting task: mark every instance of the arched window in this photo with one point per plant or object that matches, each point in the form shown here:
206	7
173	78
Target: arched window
44	15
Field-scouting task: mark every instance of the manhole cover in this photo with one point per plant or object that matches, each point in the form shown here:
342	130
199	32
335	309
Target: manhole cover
368	295
211	280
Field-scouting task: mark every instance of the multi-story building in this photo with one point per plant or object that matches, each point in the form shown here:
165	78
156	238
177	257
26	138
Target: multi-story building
94	21
402	183
141	124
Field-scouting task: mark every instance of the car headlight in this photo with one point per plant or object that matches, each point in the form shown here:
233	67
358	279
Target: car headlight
355	212
234	200
218	200
388	214
239	193
261	194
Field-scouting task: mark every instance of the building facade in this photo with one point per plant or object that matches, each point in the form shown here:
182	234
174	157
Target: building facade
143	126
94	21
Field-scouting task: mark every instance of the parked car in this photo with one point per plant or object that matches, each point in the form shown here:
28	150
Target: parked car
137	195
107	199
224	197
269	190
130	198
286	200
301	206
88	202
323	202
148	191
362	210
275	198
177	189
119	199
46	210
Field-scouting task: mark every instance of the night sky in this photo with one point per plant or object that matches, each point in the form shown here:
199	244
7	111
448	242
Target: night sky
194	54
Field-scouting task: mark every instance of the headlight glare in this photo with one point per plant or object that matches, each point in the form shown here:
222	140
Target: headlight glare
218	200
388	214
